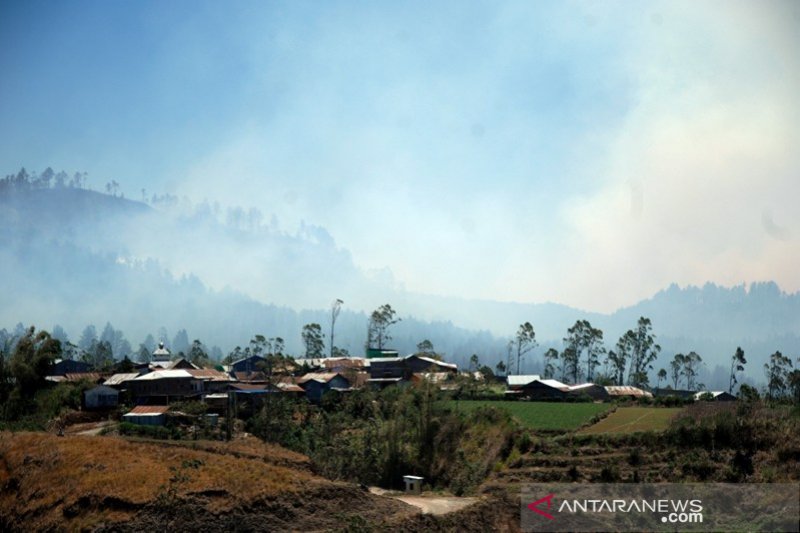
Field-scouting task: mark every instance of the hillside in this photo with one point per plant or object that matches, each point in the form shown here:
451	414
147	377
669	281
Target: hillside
74	257
81	482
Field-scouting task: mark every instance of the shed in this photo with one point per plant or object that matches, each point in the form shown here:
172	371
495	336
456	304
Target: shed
413	484
100	397
147	415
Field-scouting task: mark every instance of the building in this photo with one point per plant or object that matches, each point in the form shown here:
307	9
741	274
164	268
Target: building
100	397
595	392
160	354
147	415
254	363
164	386
121	381
716	396
544	389
519	381
316	384
678	393
61	367
626	391
389	370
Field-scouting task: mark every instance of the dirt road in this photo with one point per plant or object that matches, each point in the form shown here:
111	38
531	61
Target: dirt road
429	504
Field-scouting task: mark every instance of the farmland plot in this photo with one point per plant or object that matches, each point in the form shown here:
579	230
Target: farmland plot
633	419
543	415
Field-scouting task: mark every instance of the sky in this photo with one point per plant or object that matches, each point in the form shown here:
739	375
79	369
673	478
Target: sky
584	153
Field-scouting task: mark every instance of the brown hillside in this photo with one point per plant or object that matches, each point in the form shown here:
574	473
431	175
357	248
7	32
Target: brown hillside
80	482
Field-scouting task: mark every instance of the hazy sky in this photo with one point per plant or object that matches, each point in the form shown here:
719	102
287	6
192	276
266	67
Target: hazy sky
588	153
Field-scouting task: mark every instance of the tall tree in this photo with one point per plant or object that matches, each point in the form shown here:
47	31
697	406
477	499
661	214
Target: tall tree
59	334
29	363
583	338
676	368
378	329
777	372
425	349
198	354
737	365
644	351
570	363
313	340
88	338
180	344
336	308
550	361
793	380
662	376
691	364
524	342
620	356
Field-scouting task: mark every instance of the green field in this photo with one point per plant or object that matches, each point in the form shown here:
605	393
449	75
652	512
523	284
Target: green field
542	415
633	419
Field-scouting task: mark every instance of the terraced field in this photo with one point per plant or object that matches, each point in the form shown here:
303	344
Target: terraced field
632	420
543	415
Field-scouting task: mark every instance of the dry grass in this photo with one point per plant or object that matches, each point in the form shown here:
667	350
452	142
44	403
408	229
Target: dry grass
44	477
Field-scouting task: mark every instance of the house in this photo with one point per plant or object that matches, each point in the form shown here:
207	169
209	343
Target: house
595	392
164	386
387	368
519	381
254	363
626	391
61	367
213	380
121	381
679	393
94	377
716	396
316	384
341	364
147	415
100	397
418	363
375	353
544	389
390	370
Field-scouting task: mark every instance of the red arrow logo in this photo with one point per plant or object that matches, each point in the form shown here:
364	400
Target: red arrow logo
549	500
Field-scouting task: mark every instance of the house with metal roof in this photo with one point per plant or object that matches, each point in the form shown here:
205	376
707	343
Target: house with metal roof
627	391
518	381
716	396
316	384
147	415
164	386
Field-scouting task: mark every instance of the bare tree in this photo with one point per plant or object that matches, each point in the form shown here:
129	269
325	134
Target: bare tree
336	308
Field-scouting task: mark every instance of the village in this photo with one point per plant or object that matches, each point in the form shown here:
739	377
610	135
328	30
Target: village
150	389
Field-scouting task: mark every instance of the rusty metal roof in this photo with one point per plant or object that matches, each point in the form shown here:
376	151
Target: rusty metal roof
627	390
149	410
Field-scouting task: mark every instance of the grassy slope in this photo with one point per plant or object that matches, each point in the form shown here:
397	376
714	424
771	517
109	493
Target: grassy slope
543	415
633	419
80	482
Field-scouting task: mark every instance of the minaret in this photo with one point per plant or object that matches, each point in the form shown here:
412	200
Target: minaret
161	355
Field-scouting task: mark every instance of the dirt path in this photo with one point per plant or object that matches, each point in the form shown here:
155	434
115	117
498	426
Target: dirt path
91	428
428	504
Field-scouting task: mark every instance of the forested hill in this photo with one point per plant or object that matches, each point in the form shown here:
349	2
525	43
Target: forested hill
72	256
